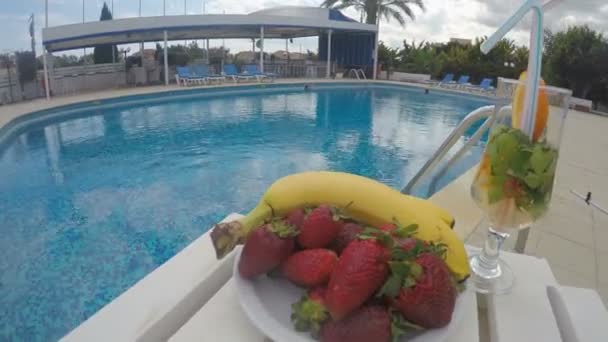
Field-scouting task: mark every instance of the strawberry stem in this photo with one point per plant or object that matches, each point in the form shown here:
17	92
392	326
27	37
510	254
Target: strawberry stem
309	315
283	229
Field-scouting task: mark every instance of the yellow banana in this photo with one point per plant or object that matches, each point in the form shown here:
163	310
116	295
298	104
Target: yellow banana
363	199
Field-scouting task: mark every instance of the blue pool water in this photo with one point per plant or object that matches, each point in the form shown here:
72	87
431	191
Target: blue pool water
92	203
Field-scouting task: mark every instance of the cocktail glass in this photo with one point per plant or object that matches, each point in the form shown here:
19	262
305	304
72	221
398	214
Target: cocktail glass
515	178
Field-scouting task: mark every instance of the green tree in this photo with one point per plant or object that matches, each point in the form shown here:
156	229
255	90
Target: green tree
374	10
26	66
103	52
387	57
578	59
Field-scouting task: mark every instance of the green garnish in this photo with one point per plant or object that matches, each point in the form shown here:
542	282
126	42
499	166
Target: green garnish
520	169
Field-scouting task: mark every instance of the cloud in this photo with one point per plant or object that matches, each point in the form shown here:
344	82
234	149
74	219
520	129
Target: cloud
442	20
445	19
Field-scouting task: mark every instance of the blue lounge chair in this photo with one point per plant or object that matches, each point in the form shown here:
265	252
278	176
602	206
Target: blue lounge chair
447	79
486	84
463	81
252	69
231	72
202	70
185	76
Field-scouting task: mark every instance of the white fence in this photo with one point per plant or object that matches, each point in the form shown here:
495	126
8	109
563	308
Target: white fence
404	77
300	69
77	79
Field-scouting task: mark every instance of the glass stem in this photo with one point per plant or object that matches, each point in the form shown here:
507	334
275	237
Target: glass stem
488	259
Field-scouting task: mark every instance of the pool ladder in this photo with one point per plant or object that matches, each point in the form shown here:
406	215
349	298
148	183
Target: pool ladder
488	113
358	73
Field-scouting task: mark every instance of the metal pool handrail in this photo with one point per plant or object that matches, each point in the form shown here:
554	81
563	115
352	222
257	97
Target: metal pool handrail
504	111
490	113
357	72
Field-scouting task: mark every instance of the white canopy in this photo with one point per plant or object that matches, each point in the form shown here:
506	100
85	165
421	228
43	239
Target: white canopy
279	22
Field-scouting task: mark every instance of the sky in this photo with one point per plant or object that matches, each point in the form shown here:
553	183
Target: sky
442	20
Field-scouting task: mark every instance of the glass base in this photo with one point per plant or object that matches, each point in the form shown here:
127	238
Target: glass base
492	281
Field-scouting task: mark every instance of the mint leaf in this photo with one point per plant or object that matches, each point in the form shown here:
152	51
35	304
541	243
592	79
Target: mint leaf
540	159
507	146
533	180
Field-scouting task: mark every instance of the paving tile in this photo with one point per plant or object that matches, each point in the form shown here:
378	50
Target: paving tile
602	289
568	255
569	278
600	231
602	267
573	229
571	207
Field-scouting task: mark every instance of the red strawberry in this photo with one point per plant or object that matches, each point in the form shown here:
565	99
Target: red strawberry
387	227
266	247
367	324
409	244
311	267
296	217
429	301
361	270
347	234
320	227
309	313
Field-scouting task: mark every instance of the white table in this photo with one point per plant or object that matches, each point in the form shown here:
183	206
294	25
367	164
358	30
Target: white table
525	314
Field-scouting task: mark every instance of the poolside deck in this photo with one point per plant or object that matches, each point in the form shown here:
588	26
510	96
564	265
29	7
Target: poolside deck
573	237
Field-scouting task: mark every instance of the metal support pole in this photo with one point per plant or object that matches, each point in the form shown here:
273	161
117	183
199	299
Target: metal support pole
164	7
46	75
84	51
207	48
261	48
46	72
166	60
113	46
375	71
141	45
328	68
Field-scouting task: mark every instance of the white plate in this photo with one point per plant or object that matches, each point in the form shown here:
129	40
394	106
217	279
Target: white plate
267	303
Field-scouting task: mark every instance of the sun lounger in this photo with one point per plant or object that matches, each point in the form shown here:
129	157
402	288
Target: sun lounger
252	69
185	77
231	72
202	70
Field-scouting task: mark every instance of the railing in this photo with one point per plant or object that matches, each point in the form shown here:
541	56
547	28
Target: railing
298	69
358	73
490	113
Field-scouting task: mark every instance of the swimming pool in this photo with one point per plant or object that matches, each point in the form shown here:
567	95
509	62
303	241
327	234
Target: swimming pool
94	200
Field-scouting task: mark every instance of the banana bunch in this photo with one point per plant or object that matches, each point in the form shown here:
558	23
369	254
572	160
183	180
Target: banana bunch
361	198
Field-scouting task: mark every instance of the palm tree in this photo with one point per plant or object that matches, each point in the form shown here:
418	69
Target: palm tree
374	10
